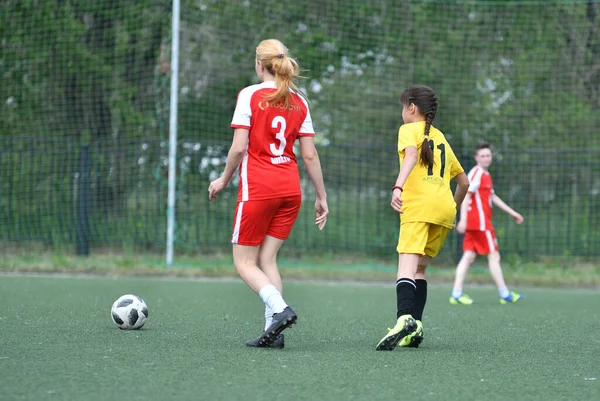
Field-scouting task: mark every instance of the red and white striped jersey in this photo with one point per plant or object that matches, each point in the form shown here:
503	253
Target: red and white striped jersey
269	168
479	217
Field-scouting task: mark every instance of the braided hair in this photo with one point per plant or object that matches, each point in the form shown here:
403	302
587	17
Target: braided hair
426	101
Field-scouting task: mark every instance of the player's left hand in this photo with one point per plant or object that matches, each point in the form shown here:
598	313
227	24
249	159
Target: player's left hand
321	211
397	200
518	218
215	187
461	227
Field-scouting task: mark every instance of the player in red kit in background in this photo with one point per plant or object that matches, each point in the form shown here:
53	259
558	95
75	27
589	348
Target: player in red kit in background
476	223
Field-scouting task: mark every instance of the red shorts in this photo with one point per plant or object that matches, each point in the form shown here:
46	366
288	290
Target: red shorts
481	242
254	220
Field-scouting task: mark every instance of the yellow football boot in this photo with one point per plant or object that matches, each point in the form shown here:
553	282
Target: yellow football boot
404	326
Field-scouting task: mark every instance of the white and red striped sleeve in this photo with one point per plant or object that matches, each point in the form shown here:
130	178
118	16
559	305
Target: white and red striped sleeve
306	129
242	115
475	179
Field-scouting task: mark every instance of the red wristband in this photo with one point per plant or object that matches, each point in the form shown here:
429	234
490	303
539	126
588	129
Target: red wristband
397	187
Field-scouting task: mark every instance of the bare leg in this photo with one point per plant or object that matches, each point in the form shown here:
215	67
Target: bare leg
267	260
245	258
461	270
423	262
496	269
407	265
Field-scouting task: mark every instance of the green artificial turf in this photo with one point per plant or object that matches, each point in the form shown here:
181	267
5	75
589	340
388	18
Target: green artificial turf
57	342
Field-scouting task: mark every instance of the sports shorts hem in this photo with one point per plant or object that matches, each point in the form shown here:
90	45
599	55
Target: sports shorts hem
254	220
480	242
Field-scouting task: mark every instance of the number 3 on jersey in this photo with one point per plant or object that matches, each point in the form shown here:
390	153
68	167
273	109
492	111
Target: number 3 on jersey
279	123
442	148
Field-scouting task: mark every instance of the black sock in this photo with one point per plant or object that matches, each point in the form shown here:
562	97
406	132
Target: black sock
405	296
420	299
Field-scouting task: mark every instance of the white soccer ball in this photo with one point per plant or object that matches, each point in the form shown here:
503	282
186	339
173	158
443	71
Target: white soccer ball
129	312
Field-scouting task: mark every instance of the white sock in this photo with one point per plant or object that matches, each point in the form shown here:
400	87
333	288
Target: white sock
272	298
456	292
503	292
268	317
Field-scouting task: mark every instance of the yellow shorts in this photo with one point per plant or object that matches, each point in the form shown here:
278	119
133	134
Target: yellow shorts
421	238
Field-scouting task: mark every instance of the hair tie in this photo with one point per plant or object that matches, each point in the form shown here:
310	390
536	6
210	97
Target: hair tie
280	55
426	136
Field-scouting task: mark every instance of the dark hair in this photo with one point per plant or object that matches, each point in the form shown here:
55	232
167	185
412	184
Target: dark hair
426	101
482	145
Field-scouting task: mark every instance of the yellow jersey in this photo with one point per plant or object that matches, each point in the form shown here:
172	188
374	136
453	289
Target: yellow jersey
427	196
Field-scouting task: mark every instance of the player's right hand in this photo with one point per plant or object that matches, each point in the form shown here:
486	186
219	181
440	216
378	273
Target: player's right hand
461	227
518	218
321	210
397	200
215	187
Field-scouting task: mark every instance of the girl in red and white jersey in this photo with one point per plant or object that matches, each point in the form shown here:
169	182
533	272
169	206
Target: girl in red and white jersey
476	224
267	120
479	216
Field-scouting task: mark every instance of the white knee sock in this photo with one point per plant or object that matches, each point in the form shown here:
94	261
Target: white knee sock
272	298
456	292
268	317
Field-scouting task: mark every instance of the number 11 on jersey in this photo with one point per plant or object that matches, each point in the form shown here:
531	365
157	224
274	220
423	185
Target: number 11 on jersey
442	148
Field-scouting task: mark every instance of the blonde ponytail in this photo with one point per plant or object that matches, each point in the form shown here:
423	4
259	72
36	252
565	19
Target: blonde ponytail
274	57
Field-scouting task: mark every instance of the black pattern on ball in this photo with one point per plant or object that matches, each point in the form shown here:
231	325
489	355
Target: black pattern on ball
125	302
117	319
133	317
145	312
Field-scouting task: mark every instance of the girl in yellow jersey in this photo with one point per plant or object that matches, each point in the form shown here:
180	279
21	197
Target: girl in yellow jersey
427	208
